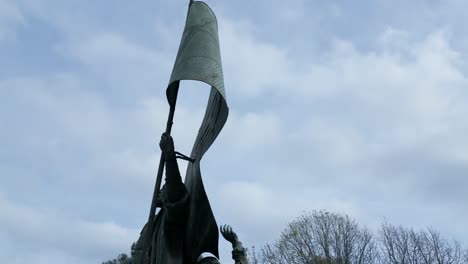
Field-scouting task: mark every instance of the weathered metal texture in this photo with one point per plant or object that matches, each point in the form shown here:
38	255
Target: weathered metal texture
199	59
199	55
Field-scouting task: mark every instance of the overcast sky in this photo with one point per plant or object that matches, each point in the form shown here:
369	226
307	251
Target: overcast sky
359	108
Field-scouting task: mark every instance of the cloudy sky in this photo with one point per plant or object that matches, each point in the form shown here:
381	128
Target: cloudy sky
358	108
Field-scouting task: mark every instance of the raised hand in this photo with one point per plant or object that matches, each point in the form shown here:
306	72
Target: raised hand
239	253
167	145
228	234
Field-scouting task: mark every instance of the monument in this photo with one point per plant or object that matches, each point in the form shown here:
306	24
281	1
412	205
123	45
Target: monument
184	231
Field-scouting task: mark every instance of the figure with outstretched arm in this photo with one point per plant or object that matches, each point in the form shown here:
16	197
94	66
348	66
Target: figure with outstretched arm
170	222
167	231
169	226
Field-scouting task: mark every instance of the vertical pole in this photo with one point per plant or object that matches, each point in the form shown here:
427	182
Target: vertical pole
157	186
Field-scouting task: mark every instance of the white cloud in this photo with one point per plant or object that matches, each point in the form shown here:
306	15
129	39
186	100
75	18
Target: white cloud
361	124
418	80
251	66
114	50
47	228
59	101
262	210
249	131
70	120
413	90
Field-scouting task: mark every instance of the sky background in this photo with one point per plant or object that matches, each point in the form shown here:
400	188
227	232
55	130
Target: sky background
354	107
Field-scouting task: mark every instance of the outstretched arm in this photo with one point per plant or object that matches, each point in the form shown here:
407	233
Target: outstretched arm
239	253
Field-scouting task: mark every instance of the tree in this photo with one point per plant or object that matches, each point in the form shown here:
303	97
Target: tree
121	259
329	238
321	237
406	245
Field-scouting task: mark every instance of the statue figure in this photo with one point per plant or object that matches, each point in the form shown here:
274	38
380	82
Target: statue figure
184	231
169	224
167	240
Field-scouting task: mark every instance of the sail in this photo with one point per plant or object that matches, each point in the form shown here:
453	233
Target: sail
199	55
199	59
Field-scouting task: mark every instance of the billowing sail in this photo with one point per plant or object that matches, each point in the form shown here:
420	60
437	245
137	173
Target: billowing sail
199	55
199	59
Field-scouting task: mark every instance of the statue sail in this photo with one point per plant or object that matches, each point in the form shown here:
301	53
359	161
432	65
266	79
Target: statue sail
199	59
164	239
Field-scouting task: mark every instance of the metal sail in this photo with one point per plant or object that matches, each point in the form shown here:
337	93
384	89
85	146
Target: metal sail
199	59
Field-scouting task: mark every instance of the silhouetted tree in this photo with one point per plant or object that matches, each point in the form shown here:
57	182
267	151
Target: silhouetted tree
122	258
329	238
321	237
406	245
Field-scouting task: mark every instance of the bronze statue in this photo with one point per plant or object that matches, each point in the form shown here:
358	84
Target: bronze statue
169	225
184	231
167	239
